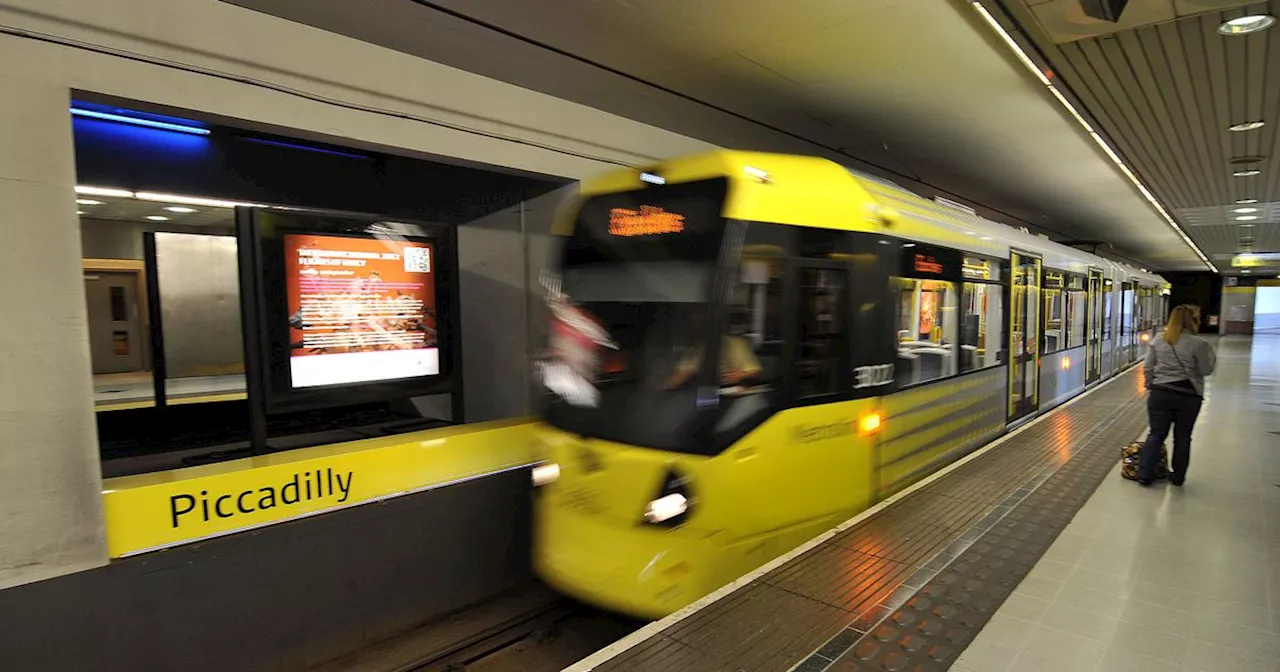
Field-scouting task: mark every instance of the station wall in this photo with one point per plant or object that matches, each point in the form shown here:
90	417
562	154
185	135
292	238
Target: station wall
248	69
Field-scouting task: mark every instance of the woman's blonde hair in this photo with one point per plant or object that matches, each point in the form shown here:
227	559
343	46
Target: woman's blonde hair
1182	317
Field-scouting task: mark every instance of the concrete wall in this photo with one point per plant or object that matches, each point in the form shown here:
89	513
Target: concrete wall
113	239
248	69
50	506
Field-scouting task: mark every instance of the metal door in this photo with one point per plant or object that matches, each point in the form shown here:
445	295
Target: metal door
1025	271
115	325
1093	337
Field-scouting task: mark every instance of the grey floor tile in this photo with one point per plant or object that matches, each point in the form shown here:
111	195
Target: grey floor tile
1080	622
987	656
1007	631
1120	659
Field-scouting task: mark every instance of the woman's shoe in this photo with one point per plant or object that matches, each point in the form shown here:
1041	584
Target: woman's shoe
1176	481
1144	482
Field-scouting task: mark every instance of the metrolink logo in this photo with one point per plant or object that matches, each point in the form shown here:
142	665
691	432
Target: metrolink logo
304	487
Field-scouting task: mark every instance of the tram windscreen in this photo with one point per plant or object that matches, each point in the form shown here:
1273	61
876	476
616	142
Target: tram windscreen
630	317
360	309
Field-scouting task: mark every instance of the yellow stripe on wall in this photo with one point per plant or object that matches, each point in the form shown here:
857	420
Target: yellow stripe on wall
157	510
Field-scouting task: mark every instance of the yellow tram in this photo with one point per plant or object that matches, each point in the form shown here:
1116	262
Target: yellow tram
747	349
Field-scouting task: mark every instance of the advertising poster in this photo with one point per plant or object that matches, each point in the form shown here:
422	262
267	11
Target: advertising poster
928	313
360	309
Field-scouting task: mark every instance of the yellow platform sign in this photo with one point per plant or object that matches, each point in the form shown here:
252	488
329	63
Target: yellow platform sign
152	511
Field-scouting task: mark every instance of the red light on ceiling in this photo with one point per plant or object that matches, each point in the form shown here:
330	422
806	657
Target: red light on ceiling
1048	74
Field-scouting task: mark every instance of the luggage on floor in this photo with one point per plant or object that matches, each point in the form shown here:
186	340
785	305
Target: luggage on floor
1131	457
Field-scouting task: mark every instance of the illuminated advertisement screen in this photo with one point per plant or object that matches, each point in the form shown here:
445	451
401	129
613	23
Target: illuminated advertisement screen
360	309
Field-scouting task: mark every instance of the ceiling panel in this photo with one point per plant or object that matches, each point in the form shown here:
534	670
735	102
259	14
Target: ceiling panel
134	210
919	91
1165	93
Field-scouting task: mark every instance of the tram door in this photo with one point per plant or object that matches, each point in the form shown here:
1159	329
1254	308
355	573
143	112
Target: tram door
1093	339
1024	334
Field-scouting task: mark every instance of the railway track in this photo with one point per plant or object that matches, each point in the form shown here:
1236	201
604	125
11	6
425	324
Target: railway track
527	630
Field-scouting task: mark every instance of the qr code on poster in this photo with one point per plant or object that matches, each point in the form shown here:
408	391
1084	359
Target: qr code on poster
417	259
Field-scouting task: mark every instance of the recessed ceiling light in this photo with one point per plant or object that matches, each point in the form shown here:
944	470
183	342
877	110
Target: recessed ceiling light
1244	201
1247	126
157	218
1245	210
88	201
1246	218
79	212
1247	24
1247	173
184	211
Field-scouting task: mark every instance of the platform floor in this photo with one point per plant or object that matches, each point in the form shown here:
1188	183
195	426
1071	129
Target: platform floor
1166	578
135	390
951	576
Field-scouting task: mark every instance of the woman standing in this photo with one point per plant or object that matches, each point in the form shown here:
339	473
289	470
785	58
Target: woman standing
1176	365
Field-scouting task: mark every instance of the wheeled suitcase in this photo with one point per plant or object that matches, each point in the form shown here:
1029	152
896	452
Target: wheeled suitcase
1131	458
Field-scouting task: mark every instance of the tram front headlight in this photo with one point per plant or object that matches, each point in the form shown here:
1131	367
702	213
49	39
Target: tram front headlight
671	507
545	474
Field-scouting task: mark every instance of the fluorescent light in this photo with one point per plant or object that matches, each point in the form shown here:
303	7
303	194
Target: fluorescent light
1247	200
180	209
1247	173
758	173
1247	24
1246	218
192	200
136	121
157	218
652	179
79	212
103	191
87	201
1247	126
1245	210
1106	148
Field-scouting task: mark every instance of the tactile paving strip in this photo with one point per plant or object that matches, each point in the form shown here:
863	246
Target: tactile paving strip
930	630
967	539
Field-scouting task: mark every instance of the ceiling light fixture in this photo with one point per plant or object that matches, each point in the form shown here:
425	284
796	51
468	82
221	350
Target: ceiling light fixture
157	218
79	212
1245	201
87	201
1247	24
192	200
182	210
1245	210
1247	173
1111	153
1247	126
103	191
1246	218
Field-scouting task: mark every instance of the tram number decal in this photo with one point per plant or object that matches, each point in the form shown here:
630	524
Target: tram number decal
872	376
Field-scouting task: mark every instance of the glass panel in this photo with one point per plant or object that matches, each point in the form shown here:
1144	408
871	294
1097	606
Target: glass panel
981	329
927	327
1076	318
119	310
819	351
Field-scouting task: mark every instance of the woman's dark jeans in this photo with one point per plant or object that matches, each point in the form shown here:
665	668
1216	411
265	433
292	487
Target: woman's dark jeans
1166	409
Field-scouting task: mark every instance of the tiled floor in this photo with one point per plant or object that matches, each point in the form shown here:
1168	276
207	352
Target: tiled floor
1166	578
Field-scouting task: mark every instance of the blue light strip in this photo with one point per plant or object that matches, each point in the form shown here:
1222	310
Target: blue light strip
305	148
139	122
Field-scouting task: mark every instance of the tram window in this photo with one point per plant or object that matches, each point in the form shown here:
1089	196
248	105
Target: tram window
755	320
926	330
1076	318
982	341
1107	298
1054	328
819	349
